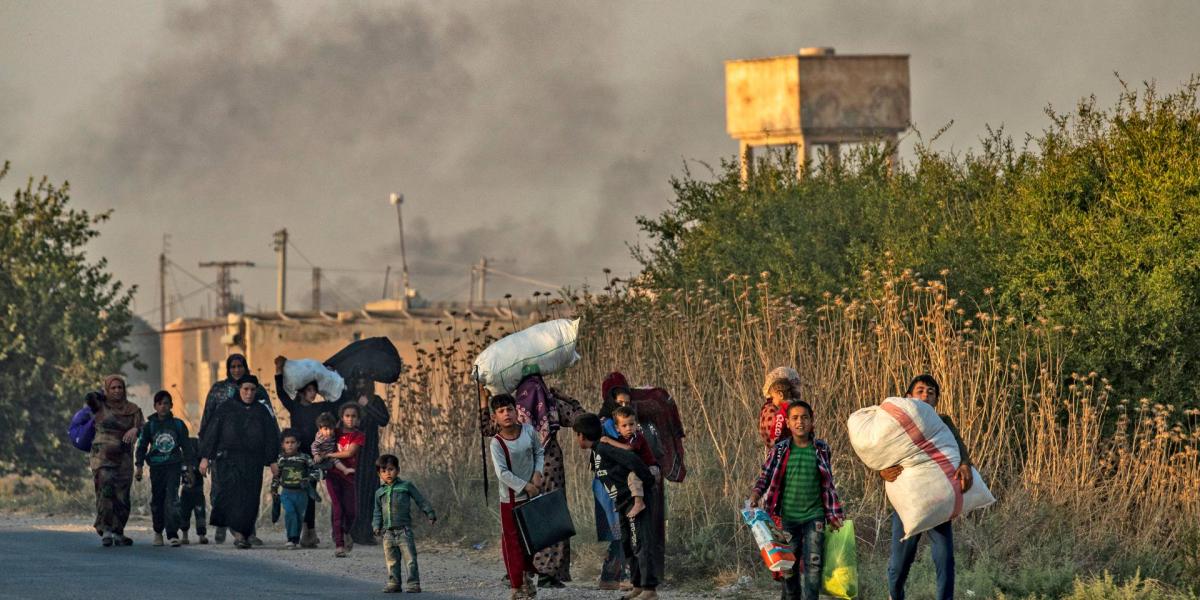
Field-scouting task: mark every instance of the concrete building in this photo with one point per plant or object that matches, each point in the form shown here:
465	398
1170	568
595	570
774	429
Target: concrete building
816	98
194	350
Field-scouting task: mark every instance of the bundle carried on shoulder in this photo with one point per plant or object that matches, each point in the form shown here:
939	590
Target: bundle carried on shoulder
546	348
909	433
659	417
82	429
301	372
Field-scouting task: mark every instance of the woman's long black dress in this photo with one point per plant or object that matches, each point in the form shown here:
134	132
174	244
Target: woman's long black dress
372	418
244	438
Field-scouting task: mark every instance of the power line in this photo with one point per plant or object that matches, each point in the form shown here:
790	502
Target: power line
179	299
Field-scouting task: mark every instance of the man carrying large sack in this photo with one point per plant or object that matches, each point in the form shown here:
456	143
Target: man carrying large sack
904	551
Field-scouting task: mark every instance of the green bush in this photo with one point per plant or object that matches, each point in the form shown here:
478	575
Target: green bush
1093	224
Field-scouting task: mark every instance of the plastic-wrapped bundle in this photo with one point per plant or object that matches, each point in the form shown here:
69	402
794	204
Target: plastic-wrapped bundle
301	372
909	433
546	348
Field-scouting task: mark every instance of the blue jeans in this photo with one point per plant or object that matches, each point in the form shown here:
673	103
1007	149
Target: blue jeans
941	538
294	503
808	544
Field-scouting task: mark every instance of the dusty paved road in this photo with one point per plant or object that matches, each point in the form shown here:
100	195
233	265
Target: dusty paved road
64	565
61	558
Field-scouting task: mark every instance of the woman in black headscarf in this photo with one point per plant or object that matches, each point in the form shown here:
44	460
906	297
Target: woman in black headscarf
373	415
221	392
244	437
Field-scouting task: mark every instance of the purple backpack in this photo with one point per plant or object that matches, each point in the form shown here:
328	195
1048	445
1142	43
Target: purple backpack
83	429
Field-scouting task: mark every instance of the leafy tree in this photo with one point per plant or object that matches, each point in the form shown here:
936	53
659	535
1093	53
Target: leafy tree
1108	225
62	321
1094	224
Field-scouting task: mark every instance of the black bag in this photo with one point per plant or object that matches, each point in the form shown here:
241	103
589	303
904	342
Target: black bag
544	521
276	509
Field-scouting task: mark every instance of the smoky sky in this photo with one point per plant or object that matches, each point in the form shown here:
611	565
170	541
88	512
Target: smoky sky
533	133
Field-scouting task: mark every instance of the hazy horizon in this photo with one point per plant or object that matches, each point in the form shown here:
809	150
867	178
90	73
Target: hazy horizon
532	133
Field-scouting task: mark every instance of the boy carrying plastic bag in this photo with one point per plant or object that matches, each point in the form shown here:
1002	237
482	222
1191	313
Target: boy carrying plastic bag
796	487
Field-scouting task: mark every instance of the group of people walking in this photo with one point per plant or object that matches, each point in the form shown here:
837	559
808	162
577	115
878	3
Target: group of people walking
628	485
239	438
796	487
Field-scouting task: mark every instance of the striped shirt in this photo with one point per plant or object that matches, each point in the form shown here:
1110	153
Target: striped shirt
801	499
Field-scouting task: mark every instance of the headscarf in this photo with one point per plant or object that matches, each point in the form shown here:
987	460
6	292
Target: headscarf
247	378
613	383
232	358
124	408
537	406
108	379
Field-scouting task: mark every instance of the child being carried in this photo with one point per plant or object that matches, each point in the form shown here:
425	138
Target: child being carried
325	443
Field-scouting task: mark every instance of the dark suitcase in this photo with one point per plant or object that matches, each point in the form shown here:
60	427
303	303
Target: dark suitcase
544	521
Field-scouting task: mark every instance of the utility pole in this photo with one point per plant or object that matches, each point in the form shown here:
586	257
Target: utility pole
479	282
225	282
397	200
162	285
281	241
316	289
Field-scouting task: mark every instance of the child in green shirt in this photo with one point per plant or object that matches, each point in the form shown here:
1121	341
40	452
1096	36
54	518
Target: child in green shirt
393	521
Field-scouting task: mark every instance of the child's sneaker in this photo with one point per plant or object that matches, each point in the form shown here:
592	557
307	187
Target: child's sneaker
184	539
106	540
158	541
174	542
413	589
340	553
392	588
290	546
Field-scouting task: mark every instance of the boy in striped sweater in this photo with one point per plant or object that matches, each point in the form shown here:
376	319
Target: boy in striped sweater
796	487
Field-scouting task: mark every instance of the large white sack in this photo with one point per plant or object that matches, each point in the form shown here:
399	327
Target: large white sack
909	433
301	372
549	345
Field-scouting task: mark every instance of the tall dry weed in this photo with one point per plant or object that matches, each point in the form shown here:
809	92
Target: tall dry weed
1034	432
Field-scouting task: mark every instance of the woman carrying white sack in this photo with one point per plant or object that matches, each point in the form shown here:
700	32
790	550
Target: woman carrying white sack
904	551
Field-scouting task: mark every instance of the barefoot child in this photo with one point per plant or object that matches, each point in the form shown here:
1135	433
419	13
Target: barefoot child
632	439
627	481
293	485
393	522
161	444
796	486
519	461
